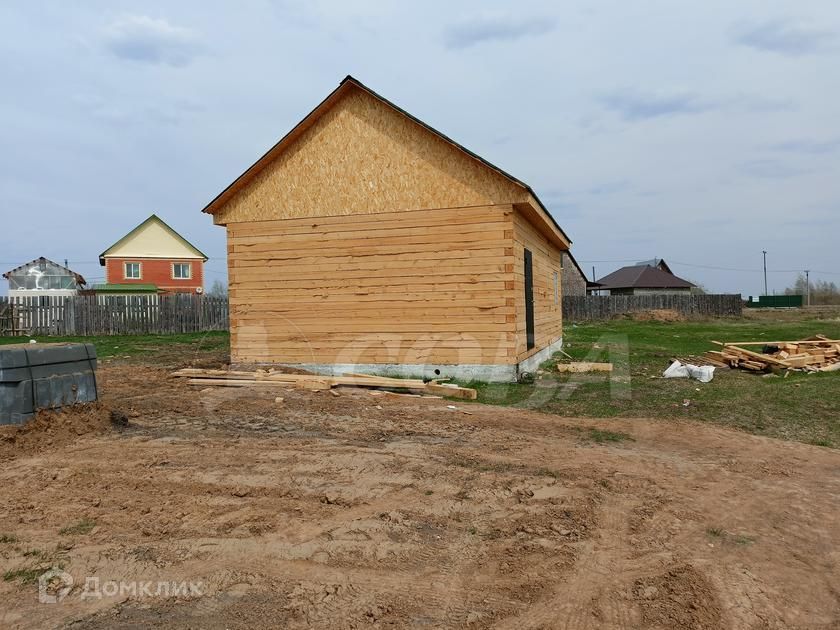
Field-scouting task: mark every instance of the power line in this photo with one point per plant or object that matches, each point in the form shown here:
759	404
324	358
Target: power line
717	268
825	273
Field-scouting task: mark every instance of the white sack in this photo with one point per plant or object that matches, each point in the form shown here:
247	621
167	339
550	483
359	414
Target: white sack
703	374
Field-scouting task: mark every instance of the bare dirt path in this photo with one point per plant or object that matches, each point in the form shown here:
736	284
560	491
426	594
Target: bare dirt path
380	511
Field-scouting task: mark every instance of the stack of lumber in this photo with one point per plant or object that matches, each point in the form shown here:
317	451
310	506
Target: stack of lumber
315	382
815	354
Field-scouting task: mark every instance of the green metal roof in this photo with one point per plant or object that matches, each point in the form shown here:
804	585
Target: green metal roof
125	288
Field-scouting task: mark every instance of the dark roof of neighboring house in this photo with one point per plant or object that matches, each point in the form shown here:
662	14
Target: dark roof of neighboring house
590	284
165	225
322	107
78	276
643	277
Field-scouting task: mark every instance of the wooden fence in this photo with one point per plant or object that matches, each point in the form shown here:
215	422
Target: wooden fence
594	307
112	314
180	313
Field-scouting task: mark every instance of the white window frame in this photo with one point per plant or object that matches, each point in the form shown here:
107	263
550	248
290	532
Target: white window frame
189	271
139	275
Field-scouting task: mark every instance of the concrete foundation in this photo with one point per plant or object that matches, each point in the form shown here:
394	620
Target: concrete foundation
533	362
490	373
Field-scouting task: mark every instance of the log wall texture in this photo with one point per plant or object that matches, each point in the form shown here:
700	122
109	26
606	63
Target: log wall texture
405	287
548	316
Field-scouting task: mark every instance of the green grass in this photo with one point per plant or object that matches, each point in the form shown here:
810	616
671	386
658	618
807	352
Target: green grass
725	537
8	539
601	436
25	575
802	407
108	346
82	527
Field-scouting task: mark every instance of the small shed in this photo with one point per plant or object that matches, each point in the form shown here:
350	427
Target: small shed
367	241
43	278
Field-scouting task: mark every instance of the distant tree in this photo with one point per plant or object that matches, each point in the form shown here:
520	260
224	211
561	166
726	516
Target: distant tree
822	291
698	289
799	286
219	289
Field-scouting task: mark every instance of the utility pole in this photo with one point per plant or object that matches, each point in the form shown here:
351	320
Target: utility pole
808	286
765	270
594	279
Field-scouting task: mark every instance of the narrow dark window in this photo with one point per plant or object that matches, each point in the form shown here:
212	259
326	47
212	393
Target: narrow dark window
529	301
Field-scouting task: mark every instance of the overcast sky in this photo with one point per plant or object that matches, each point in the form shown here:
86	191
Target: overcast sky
698	132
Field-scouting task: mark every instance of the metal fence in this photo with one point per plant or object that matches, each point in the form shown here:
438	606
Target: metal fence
595	307
775	301
112	315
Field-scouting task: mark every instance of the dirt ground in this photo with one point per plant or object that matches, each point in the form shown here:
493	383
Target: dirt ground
358	511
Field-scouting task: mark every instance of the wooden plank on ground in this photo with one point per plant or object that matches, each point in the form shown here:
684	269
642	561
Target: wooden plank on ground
452	391
584	367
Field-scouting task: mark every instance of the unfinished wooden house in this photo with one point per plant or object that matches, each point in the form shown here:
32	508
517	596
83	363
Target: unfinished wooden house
366	241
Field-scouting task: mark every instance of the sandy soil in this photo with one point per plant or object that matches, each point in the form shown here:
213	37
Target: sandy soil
379	511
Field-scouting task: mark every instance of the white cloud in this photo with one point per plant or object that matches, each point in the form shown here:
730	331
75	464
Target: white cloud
148	40
633	105
479	30
786	38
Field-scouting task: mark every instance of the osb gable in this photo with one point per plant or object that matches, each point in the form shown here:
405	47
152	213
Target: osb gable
364	157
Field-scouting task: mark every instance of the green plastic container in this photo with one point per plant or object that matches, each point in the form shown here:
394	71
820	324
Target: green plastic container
45	376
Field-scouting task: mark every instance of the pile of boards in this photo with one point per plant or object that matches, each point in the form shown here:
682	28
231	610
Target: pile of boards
315	382
815	354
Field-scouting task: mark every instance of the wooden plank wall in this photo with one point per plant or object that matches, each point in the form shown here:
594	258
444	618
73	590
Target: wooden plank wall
598	307
111	315
408	287
548	317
